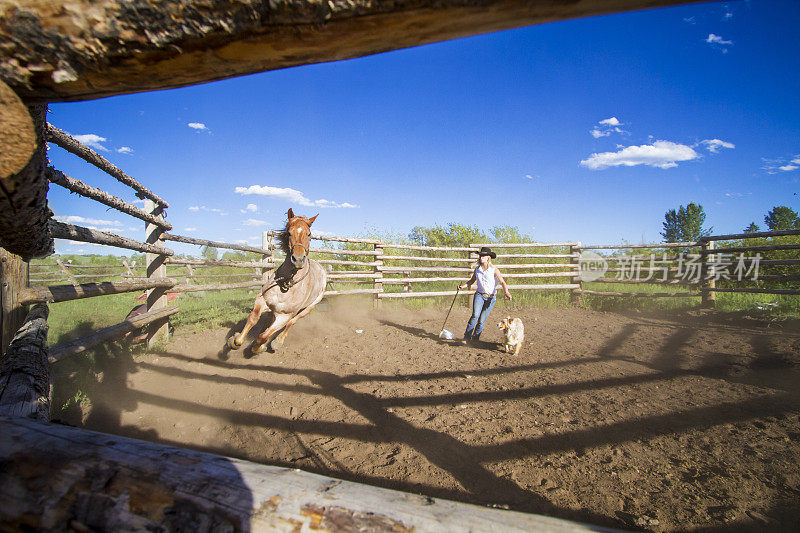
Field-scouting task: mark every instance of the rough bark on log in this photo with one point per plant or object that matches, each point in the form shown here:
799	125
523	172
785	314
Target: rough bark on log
66	477
23	199
25	372
83	49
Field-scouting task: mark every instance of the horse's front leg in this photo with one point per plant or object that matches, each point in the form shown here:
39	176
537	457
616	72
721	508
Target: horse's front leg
235	342
278	342
280	321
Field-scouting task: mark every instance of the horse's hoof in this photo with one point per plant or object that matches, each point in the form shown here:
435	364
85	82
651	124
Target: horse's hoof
232	344
257	349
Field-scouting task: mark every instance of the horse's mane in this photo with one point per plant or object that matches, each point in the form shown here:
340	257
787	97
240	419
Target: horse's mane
283	236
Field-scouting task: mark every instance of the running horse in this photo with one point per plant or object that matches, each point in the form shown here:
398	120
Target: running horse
291	291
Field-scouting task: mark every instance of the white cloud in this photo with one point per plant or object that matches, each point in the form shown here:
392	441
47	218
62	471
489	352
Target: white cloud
613	121
197	208
254	222
727	16
125	150
607	127
713	145
660	154
290	195
530	176
251	208
75	219
189	229
773	166
689	20
92	141
716	39
198	126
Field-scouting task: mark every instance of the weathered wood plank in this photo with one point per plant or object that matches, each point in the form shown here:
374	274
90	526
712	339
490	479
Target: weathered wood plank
13	280
215	244
74	347
24	371
754	235
63	293
79	187
96	482
220	286
60	230
645	294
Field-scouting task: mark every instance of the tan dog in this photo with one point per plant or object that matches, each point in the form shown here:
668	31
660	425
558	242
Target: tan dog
515	334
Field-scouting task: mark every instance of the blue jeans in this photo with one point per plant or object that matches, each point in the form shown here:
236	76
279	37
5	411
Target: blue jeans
481	307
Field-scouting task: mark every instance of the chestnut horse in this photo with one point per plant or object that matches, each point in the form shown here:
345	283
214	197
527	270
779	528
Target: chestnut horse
291	291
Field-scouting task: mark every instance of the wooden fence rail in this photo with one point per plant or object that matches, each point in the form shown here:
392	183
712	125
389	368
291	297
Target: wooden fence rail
59	230
215	244
70	144
63	293
78	187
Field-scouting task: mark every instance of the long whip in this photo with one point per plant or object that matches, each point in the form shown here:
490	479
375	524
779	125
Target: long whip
451	308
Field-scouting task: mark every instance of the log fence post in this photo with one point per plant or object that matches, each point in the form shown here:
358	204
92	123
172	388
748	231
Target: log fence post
13	279
378	275
575	294
156	269
709	297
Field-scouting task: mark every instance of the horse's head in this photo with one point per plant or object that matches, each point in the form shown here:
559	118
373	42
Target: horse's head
297	236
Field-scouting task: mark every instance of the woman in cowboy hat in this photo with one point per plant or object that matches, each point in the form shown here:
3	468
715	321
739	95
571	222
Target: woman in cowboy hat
488	276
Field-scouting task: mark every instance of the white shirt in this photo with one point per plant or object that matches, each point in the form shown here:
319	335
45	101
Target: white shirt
487	284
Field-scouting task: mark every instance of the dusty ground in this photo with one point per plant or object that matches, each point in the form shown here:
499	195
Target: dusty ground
684	422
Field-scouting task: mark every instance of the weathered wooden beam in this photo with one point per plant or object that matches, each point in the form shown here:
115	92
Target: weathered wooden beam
83	49
217	263
60	230
23	191
753	235
62	351
63	293
24	371
220	286
65	478
13	280
215	244
79	187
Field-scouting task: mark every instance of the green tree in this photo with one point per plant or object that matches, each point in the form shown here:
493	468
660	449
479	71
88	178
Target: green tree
508	235
452	235
209	252
782	218
752	228
685	224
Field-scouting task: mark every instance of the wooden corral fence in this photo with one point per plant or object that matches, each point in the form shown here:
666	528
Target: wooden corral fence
700	267
355	266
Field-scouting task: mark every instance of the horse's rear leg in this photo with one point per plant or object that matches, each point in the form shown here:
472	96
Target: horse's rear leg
235	342
278	342
261	340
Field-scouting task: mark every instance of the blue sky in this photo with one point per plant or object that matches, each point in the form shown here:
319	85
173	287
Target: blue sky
584	130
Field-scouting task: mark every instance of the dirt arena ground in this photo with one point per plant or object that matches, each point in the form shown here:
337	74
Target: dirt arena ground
635	421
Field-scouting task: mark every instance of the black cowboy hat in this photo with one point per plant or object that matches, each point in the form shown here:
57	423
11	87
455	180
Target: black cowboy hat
487	251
